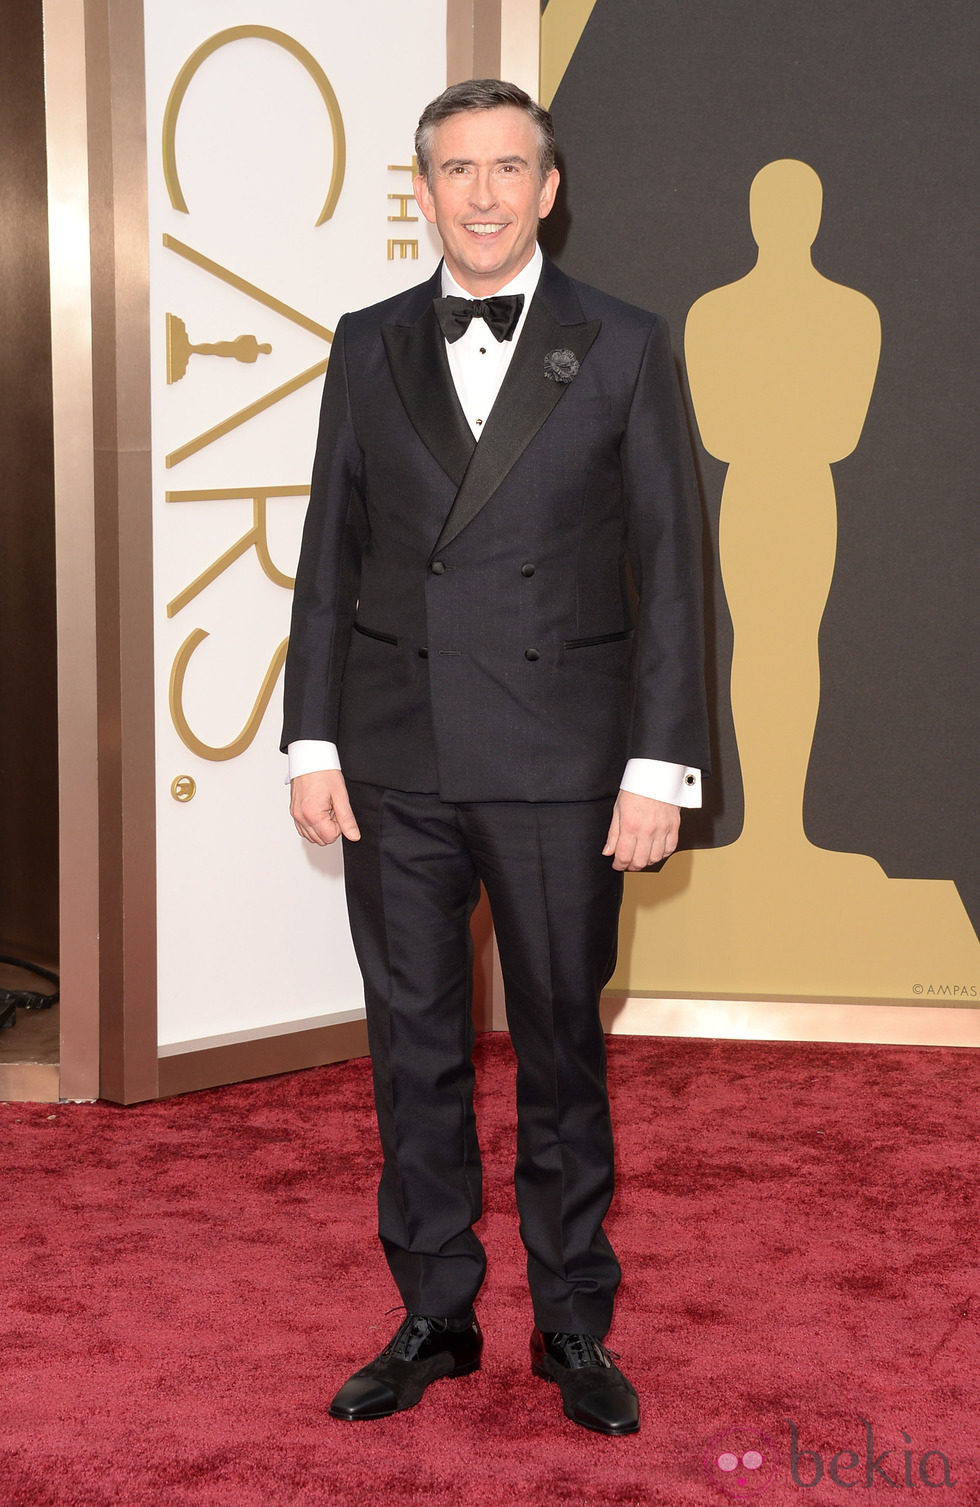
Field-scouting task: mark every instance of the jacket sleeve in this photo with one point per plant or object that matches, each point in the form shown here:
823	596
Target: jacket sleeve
669	713
329	565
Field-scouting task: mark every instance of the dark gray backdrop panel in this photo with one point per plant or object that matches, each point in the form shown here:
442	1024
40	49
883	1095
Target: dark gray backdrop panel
667	111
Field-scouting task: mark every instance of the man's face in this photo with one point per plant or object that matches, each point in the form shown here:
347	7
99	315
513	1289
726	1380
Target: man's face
486	195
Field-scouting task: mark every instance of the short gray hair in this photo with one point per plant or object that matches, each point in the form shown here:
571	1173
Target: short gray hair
483	94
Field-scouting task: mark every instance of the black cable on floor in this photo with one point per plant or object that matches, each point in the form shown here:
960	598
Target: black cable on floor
12	1000
44	973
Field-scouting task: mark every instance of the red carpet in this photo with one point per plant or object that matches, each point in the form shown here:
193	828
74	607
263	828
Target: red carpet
185	1284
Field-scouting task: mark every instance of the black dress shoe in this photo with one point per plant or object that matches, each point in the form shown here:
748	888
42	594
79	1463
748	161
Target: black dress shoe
422	1351
594	1392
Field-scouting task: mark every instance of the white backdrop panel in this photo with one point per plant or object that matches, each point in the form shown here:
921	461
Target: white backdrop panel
252	923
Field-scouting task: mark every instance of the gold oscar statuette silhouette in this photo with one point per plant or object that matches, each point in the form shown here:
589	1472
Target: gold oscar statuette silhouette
179	349
781	367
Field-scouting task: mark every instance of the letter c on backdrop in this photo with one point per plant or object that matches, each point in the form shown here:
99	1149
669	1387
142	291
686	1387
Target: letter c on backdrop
300	53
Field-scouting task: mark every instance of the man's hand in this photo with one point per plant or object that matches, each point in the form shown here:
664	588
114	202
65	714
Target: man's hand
319	806
642	831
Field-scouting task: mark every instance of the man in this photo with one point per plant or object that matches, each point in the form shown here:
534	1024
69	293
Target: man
501	449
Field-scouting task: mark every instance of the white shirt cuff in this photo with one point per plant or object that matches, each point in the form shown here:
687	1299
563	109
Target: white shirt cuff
308	755
675	783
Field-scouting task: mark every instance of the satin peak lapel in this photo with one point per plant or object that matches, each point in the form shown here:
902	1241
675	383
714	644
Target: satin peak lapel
526	398
417	357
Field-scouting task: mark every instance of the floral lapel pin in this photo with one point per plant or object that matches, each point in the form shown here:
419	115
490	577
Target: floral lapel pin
561	366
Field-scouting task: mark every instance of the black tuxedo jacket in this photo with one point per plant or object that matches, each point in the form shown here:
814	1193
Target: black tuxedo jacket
509	620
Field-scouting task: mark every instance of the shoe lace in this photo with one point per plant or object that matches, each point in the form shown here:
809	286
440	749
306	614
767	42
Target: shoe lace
411	1334
584	1350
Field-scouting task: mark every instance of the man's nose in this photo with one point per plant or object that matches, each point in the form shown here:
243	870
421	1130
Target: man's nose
484	192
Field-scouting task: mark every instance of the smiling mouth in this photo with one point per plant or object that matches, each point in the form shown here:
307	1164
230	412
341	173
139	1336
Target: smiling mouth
485	228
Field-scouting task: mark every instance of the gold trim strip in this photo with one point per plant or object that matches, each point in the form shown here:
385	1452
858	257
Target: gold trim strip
67	130
233	494
33	1083
286	1052
878	1022
261	1033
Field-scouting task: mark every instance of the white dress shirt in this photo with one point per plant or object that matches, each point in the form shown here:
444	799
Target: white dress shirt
478	363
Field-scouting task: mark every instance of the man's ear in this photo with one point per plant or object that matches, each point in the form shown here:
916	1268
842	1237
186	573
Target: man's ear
549	189
423	198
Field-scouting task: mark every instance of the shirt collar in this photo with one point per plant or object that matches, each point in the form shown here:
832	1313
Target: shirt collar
525	282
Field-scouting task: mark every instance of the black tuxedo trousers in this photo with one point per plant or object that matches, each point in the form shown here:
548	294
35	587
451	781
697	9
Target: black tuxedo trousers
412	882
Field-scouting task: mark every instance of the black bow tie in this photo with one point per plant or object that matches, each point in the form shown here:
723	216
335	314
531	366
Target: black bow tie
500	314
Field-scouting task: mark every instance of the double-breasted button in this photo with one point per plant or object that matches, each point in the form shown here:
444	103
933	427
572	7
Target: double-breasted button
531	654
527	570
423	654
438	567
